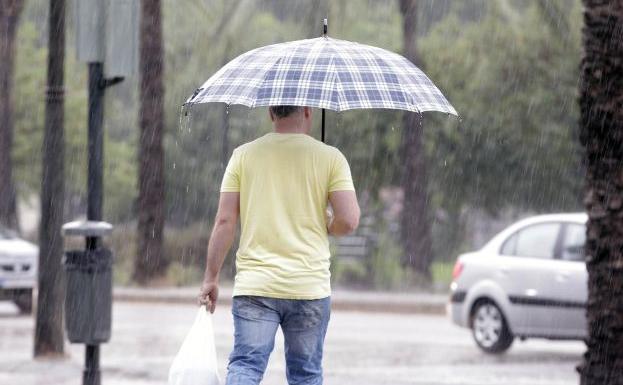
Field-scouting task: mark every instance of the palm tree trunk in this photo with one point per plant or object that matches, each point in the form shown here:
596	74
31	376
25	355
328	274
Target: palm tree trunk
415	221
601	133
49	326
9	19
150	261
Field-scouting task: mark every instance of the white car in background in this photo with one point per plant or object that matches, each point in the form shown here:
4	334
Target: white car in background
18	270
529	281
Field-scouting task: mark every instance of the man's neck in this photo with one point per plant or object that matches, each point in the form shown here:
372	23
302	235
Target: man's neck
288	126
290	131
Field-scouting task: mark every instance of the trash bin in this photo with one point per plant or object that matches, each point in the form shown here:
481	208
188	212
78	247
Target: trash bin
88	295
88	301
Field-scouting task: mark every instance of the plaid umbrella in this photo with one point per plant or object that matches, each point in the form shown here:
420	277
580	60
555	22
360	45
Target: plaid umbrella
323	73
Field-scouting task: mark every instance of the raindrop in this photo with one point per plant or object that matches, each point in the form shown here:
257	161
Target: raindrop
186	117
182	114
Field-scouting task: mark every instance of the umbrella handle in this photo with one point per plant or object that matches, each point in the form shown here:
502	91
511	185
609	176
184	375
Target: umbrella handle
322	131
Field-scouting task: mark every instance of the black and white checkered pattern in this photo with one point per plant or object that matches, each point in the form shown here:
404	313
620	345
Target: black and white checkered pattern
323	73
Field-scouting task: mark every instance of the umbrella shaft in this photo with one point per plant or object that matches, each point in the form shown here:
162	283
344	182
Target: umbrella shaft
322	131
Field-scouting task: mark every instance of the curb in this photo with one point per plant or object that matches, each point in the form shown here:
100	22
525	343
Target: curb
434	305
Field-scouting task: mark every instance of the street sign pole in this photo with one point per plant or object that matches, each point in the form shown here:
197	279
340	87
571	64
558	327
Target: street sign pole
95	181
95	142
92	375
95	186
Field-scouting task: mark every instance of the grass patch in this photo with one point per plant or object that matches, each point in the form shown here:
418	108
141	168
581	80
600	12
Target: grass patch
442	272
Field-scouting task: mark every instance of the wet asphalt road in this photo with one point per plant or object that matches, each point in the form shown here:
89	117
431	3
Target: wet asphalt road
361	348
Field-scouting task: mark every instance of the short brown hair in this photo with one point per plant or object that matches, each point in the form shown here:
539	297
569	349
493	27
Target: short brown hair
284	111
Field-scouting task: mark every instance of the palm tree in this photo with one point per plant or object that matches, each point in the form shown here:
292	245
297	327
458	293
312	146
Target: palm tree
415	223
49	326
9	19
150	261
601	133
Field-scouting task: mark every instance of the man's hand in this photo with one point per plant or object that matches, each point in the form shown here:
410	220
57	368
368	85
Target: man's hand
221	239
328	216
208	295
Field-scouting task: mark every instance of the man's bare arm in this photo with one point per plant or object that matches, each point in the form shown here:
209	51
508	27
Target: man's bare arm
221	239
345	213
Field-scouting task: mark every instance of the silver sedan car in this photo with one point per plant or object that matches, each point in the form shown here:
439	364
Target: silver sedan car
530	280
18	270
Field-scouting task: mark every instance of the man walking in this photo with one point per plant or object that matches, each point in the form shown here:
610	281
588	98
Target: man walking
280	185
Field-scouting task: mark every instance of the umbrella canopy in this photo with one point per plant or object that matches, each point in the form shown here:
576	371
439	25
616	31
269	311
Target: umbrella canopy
323	73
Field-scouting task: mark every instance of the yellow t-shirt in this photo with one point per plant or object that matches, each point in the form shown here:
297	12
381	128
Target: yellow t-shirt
284	181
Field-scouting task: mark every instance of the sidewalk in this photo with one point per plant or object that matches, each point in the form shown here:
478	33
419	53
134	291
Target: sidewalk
341	299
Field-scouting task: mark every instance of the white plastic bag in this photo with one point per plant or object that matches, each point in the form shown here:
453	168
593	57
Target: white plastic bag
195	363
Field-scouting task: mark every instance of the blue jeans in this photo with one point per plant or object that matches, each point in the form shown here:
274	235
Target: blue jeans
256	319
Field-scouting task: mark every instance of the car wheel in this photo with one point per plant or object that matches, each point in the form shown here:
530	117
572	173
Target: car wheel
489	328
23	300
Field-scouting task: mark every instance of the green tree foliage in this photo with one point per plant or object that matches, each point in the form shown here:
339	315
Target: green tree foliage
515	91
514	83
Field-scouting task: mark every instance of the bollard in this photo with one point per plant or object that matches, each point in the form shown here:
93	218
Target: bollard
88	296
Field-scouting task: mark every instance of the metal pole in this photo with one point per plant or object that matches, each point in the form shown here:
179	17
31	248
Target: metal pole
322	133
92	366
95	178
95	181
95	186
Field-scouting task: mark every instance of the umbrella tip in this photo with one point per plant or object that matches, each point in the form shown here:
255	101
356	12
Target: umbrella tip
325	27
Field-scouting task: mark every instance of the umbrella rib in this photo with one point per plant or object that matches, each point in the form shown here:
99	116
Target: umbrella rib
401	78
341	98
263	77
335	84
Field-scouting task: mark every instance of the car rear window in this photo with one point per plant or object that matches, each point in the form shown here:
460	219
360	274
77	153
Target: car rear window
536	241
573	243
510	245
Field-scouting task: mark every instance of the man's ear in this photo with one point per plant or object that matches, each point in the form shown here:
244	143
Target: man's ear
307	111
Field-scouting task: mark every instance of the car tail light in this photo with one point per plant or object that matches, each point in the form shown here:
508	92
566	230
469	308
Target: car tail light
458	269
